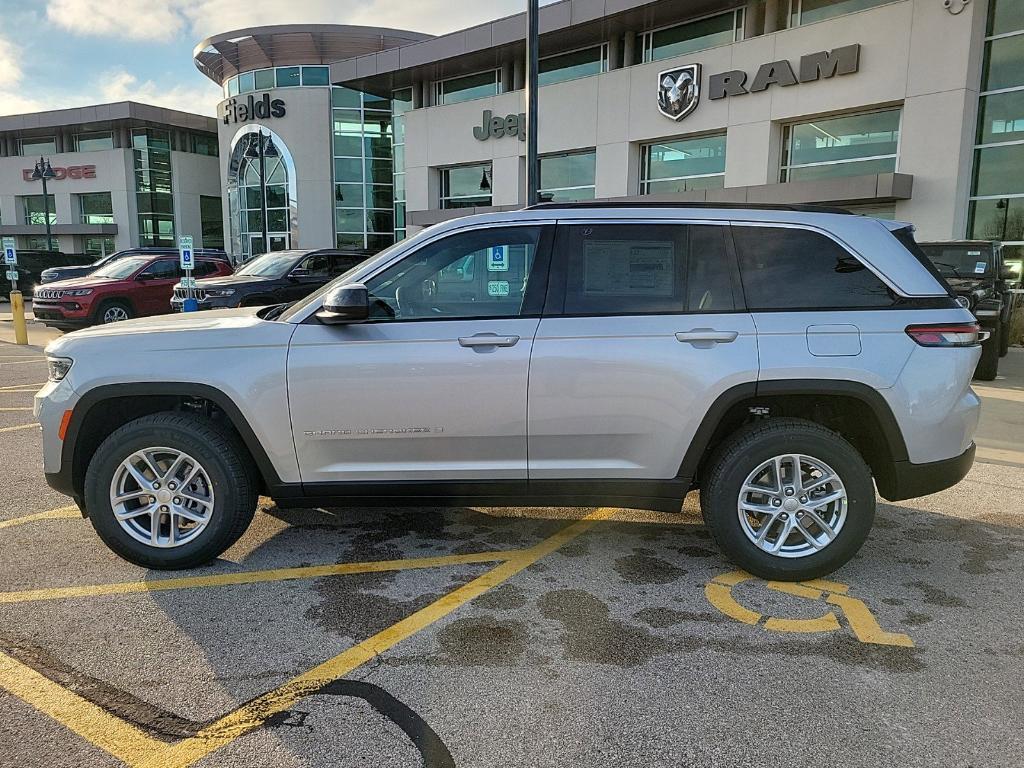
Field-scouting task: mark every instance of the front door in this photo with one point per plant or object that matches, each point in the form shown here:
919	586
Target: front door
643	330
433	386
154	286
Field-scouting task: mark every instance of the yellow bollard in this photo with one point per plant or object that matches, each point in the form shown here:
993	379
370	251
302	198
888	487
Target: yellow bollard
18	315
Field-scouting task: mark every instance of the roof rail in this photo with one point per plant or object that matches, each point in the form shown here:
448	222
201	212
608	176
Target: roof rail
804	208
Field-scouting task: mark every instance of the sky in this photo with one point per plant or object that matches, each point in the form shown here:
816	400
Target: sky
68	53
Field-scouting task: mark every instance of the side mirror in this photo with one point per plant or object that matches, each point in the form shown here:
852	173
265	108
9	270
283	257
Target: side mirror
298	272
345	304
144	277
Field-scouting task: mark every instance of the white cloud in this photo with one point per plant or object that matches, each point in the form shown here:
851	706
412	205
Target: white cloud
12	100
131	19
121	85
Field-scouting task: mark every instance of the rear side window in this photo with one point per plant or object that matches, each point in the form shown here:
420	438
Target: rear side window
638	269
785	268
204	268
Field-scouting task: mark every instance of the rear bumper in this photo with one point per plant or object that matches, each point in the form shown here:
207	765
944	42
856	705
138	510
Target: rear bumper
909	480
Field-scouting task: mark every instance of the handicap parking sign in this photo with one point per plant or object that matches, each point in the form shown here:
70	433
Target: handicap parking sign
498	259
185	251
10	252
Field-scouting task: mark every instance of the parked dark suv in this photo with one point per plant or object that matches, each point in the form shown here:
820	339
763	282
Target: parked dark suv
33	264
981	280
83	267
273	278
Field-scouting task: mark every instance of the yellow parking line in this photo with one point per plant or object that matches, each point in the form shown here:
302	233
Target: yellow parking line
110	733
251	577
256	712
53	514
864	625
20	426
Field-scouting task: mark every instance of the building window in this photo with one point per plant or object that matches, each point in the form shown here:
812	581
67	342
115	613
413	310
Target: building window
569	66
695	35
466	186
94	142
265	79
99	246
211	221
154	200
34	209
204	144
287	76
95	208
848	145
42	145
567	177
363	140
277	77
316	76
468	87
401	102
810	11
683	165
38	243
263	190
996	209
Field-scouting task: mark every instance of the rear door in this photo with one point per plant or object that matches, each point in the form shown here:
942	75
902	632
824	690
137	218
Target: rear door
643	329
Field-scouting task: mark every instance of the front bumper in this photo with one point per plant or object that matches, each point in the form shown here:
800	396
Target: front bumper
909	480
61	312
49	406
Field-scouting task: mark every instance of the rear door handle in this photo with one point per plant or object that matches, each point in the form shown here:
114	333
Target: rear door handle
488	340
706	337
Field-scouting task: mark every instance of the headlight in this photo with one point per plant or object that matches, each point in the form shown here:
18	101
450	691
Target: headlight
58	367
219	293
78	292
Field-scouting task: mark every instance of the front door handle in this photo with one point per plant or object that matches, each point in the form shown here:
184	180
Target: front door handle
488	340
706	337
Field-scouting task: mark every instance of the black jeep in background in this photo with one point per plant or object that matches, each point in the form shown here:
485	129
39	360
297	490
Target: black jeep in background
983	284
32	263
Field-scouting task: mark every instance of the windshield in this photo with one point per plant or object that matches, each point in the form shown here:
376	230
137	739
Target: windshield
121	268
962	261
269	264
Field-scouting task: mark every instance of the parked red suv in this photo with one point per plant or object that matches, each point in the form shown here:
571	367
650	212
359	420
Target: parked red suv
134	286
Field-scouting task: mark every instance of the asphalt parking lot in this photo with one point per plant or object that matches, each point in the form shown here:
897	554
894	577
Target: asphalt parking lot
513	637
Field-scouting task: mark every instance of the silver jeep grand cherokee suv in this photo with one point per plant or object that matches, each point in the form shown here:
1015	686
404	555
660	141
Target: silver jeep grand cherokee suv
778	359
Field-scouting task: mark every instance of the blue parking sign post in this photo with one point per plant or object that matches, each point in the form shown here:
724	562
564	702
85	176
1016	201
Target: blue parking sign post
186	256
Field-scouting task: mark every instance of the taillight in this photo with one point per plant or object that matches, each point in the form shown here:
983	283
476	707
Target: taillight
946	334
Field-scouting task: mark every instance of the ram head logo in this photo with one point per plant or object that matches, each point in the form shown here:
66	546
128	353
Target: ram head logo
679	91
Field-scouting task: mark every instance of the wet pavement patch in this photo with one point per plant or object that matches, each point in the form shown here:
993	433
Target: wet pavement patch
483	641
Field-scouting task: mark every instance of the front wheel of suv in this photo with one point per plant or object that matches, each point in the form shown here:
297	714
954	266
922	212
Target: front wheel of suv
788	499
170	490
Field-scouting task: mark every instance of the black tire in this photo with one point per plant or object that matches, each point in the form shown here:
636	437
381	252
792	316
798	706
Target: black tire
1004	340
113	304
742	453
222	456
988	365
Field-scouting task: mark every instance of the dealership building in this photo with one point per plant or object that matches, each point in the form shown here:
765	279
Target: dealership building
124	175
356	136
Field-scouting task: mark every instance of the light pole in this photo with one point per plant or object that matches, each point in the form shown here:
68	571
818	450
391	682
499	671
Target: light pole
262	148
532	56
43	171
1003	204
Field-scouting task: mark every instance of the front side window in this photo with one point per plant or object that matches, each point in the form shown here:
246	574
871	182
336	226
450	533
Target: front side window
478	274
785	268
474	86
567	177
848	145
682	165
317	265
160	270
466	186
641	269
693	36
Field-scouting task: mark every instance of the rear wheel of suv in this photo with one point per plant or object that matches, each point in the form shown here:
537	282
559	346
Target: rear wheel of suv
113	312
788	499
988	365
170	490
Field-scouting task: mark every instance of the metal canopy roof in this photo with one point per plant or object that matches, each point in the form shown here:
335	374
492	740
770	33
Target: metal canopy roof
225	55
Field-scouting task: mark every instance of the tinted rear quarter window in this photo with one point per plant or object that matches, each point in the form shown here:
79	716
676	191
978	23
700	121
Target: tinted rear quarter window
790	268
638	269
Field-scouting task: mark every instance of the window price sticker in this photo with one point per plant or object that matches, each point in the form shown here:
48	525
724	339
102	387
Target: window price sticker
497	260
497	288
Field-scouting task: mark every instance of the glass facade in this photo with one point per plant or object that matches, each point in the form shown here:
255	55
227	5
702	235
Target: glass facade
996	209
44	145
92	142
810	11
34	209
401	102
475	86
99	246
466	186
573	64
154	200
683	164
695	35
211	221
262	201
363	148
95	208
567	177
848	145
277	77
204	144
